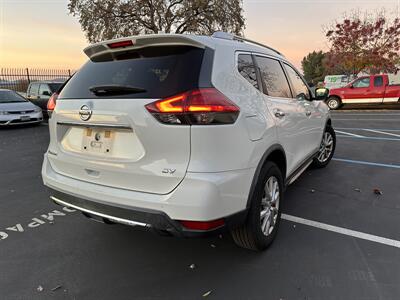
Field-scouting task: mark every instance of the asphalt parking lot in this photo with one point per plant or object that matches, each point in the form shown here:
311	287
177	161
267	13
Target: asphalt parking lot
338	239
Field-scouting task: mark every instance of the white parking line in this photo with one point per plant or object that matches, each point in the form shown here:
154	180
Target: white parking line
366	114
387	120
368	163
348	133
383	132
352	128
369	138
344	231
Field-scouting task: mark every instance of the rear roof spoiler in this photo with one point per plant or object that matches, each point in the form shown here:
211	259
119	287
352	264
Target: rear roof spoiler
137	42
232	37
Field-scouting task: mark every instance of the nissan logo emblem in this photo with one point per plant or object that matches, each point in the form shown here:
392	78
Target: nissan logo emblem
85	113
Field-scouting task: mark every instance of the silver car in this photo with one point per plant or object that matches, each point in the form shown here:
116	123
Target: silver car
15	109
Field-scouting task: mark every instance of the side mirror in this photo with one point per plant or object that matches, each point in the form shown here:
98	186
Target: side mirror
321	94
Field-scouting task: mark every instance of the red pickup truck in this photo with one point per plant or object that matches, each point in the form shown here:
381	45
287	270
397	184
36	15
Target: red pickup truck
366	89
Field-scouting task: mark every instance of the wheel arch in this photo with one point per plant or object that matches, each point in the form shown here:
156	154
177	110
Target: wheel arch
276	154
328	122
334	96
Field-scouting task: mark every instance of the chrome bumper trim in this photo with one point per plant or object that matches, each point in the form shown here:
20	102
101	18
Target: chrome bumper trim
111	218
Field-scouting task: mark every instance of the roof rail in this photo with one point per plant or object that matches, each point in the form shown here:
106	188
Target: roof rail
232	37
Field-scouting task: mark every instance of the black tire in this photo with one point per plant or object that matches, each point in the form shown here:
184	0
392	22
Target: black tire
317	163
333	103
250	234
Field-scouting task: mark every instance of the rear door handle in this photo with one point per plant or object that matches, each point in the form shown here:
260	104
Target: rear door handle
279	114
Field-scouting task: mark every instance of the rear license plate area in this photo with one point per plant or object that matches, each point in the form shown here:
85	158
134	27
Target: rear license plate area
98	141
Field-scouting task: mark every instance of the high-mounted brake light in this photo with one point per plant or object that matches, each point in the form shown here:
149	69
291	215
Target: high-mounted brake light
206	106
120	44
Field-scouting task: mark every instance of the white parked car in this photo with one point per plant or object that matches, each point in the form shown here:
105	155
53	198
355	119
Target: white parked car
15	109
186	134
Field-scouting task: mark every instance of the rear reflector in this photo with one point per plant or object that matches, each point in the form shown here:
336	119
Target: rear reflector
206	106
198	225
121	44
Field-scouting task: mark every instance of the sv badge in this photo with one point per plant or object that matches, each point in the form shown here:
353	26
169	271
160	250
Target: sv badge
168	171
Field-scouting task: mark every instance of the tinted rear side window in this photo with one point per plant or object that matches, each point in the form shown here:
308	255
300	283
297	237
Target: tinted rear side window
378	81
160	71
54	87
247	69
273	77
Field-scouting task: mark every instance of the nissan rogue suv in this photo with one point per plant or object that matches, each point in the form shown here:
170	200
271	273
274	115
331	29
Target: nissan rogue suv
188	135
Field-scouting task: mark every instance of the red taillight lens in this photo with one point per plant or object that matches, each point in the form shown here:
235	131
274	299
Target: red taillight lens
120	44
51	103
199	225
209	100
205	106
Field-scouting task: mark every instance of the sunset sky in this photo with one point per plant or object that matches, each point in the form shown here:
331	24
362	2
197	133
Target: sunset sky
41	33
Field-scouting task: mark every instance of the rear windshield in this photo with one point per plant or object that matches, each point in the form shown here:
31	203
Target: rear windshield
54	87
157	71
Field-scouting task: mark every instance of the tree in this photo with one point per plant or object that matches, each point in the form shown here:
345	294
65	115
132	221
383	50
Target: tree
364	43
313	67
106	19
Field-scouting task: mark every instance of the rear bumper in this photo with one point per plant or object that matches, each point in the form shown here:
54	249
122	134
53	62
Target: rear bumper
139	216
200	197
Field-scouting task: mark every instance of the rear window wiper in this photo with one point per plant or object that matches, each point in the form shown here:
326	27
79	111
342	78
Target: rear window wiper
100	90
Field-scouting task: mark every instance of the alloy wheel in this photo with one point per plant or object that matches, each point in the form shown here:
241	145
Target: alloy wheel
326	148
270	206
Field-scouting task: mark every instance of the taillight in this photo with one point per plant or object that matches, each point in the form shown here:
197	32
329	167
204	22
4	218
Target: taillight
51	103
206	106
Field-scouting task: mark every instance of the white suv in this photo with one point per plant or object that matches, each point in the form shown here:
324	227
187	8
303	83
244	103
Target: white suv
186	134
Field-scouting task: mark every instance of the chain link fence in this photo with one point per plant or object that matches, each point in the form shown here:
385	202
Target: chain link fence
18	79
